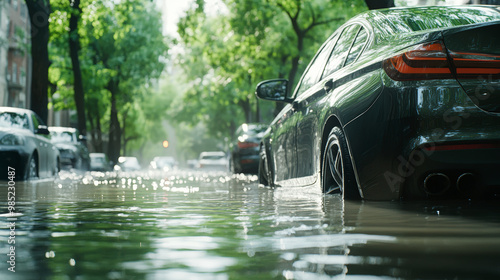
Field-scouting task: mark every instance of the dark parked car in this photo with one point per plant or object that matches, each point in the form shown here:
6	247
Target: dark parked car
25	145
245	148
74	152
100	162
397	103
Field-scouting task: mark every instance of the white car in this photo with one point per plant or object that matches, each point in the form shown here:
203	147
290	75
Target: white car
127	164
213	161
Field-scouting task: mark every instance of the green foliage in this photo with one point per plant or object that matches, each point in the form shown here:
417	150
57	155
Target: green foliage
122	44
225	55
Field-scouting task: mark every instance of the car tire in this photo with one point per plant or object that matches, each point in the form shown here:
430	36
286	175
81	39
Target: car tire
32	168
264	173
337	170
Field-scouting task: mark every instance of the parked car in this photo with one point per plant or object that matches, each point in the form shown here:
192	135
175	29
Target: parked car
163	163
73	150
100	162
128	164
25	145
192	163
397	103
245	148
213	161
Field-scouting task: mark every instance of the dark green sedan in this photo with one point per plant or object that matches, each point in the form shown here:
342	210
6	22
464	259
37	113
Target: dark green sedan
400	103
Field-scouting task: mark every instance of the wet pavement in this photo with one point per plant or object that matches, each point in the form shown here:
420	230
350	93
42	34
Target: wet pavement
195	225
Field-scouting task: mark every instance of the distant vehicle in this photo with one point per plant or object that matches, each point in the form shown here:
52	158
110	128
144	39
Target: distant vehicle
128	164
192	163
25	146
213	161
245	148
100	162
397	104
74	152
163	163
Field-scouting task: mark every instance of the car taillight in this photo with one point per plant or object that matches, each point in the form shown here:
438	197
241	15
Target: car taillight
475	65
424	62
246	145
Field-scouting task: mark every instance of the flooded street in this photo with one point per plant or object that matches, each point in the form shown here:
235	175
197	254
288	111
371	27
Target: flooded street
194	225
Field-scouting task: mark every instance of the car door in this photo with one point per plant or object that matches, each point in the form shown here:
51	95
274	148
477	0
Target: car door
309	104
285	136
43	146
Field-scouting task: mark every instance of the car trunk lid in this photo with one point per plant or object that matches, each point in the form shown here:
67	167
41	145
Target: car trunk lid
474	52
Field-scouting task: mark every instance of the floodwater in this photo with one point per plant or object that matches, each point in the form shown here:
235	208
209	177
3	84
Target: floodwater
193	225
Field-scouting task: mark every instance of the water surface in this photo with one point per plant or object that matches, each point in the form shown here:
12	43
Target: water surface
194	225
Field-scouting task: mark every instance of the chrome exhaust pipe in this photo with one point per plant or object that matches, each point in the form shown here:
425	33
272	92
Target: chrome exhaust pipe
467	183
436	183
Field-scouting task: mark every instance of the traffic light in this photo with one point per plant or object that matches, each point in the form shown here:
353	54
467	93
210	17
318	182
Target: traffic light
165	144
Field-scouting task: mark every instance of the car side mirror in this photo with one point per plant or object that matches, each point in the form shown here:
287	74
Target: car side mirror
82	138
42	129
273	90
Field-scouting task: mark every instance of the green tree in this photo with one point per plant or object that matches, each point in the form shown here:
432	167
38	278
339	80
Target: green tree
74	50
226	55
127	40
39	13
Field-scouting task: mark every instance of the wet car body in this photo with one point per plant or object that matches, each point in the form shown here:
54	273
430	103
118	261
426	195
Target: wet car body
245	149
73	151
414	104
25	145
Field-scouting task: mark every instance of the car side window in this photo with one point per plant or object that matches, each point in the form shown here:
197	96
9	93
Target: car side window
339	53
357	47
313	73
35	122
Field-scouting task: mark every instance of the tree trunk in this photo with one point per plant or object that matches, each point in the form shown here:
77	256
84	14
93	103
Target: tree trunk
74	48
95	129
114	144
39	12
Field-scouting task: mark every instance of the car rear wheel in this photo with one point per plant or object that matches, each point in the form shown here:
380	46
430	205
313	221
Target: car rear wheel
337	172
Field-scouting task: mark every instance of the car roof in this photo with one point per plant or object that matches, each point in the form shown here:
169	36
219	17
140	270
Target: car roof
60	128
15	110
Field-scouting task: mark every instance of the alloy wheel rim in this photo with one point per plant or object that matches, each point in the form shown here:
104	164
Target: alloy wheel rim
335	167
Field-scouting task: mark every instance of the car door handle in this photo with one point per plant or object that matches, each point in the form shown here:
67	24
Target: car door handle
328	86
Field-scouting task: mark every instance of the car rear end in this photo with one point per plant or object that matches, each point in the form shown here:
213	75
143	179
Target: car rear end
437	122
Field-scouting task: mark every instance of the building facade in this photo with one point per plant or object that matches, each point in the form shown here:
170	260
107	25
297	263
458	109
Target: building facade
3	51
15	59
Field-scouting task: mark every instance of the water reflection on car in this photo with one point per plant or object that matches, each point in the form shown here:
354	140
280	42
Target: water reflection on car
25	145
74	152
